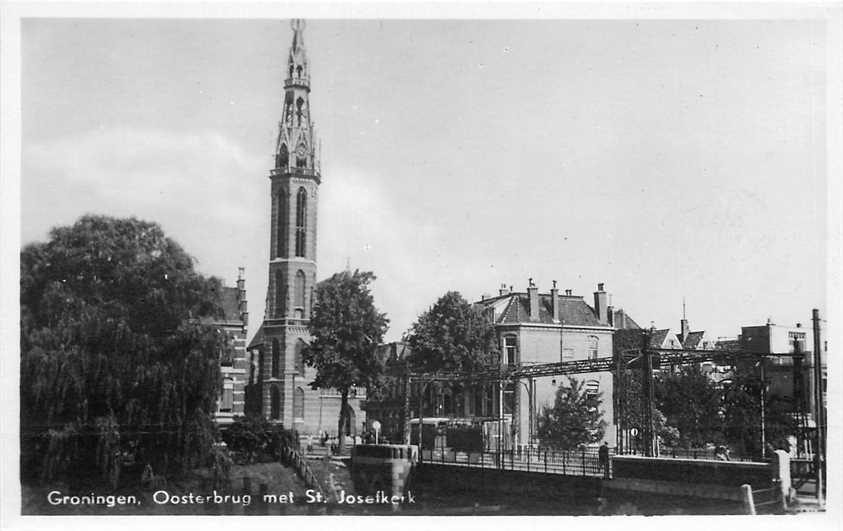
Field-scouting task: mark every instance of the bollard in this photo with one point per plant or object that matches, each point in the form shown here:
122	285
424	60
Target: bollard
746	495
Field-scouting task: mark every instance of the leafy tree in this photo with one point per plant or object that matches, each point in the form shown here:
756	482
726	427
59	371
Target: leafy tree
346	327
690	402
114	360
632	415
452	335
741	410
573	420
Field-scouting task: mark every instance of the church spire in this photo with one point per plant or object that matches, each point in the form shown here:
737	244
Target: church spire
296	146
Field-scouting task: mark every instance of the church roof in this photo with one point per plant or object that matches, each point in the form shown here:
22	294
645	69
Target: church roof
256	341
573	310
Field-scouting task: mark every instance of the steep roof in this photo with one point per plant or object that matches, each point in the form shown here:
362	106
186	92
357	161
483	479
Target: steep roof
622	320
257	340
229	301
693	340
573	310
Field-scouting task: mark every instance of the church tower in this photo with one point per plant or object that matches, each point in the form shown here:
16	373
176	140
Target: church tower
294	187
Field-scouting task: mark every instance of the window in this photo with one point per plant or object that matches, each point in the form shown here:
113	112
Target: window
283	158
298	71
299	290
592	390
797	341
300	356
274	403
276	358
281	216
298	403
227	400
510	346
299	112
592	347
280	295
509	398
301	221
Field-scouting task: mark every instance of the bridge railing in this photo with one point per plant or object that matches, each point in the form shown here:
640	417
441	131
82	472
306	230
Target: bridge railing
579	462
688	453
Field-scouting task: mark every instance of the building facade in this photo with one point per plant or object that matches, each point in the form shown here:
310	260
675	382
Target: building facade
535	327
234	363
280	388
787	377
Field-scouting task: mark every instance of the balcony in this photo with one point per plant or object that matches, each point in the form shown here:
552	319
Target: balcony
297	81
307	172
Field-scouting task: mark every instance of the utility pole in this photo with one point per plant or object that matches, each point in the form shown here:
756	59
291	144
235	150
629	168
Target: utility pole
647	394
819	413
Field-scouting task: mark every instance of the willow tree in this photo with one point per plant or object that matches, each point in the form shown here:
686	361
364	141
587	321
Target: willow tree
115	363
346	327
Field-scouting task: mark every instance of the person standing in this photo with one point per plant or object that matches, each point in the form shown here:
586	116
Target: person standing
603	459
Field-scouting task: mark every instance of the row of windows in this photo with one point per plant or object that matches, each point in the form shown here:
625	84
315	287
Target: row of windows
299	294
510	345
301	224
275	368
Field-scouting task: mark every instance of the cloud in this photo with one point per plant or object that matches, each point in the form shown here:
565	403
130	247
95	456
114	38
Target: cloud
202	187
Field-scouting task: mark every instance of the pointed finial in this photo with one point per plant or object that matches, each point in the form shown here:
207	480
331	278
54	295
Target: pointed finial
348	263
297	25
683	307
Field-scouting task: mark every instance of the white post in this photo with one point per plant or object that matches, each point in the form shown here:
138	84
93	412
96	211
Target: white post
746	494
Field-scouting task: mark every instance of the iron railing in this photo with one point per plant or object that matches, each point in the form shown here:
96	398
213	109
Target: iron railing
581	462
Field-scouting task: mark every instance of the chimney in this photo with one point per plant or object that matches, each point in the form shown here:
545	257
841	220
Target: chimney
600	303
241	296
567	293
503	290
685	330
533	296
554	302
610	314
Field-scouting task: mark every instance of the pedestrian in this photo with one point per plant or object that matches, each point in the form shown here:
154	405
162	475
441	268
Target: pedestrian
603	459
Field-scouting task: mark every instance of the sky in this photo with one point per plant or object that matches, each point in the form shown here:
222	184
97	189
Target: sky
668	159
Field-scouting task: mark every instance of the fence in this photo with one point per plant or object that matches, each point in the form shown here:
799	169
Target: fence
688	453
581	462
771	499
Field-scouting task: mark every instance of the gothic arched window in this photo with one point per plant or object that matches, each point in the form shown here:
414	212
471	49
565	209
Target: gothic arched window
300	289
280	295
274	403
276	358
300	356
298	71
281	224
298	403
283	158
301	221
291	71
299	112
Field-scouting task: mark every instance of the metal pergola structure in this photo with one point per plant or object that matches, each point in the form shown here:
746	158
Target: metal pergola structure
647	359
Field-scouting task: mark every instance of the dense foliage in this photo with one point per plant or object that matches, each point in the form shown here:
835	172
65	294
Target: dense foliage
256	439
690	402
346	328
115	365
574	419
452	335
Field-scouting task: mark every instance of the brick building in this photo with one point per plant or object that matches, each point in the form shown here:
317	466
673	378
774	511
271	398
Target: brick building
279	387
234	363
